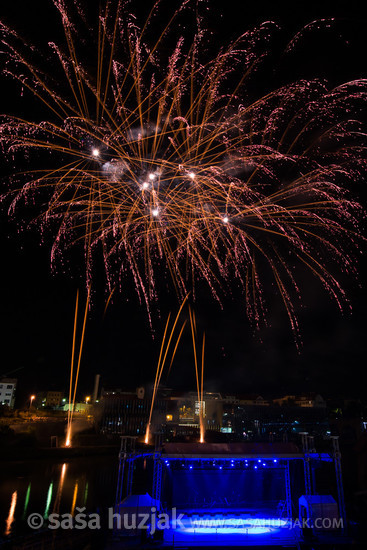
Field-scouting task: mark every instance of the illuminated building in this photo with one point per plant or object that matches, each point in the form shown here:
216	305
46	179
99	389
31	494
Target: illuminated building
127	413
184	411
7	391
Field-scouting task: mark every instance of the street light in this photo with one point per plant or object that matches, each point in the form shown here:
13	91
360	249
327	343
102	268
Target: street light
31	399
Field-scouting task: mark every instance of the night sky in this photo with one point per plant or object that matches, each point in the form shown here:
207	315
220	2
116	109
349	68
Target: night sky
37	305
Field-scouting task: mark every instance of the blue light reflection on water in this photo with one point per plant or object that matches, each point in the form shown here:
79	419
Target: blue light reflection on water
222	528
229	531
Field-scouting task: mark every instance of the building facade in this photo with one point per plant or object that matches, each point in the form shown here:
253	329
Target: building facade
7	391
184	409
50	399
127	413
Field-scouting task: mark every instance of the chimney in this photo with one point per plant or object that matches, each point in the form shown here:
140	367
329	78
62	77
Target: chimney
96	387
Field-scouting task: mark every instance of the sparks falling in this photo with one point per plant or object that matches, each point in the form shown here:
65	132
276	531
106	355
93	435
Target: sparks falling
154	152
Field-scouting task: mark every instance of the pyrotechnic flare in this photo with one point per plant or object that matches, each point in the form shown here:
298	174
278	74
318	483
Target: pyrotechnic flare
73	385
155	152
199	380
162	361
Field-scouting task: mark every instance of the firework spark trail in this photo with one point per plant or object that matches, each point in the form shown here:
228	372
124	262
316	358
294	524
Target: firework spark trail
199	380
68	430
162	361
156	383
73	384
161	158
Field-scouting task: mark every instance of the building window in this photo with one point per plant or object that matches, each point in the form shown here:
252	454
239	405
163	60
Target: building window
199	408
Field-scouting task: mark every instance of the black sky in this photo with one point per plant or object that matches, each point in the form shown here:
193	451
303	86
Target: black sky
37	306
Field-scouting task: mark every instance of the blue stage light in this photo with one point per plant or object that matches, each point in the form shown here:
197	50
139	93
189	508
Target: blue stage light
275	460
228	525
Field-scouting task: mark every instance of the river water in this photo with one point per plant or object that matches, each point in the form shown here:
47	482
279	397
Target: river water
52	486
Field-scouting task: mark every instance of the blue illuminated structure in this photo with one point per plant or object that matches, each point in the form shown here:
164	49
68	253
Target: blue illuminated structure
232	494
228	493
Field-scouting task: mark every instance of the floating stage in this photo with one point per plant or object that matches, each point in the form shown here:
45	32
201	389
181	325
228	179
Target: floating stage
233	494
230	529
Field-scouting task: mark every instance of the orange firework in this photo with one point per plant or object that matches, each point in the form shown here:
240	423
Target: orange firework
162	361
73	385
199	380
154	151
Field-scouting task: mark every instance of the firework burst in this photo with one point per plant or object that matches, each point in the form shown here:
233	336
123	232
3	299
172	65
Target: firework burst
153	150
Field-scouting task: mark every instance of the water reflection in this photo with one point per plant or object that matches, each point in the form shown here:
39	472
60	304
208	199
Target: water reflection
10	518
26	501
49	486
74	499
85	494
48	500
59	490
